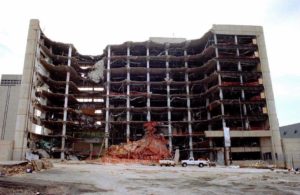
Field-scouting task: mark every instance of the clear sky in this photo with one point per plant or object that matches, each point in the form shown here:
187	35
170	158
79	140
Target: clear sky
92	24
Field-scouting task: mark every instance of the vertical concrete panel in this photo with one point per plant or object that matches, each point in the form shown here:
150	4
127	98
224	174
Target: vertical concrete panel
220	157
6	149
291	151
265	145
277	152
23	121
3	94
12	113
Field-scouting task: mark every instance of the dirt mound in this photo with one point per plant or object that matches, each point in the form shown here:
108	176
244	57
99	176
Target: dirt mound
152	147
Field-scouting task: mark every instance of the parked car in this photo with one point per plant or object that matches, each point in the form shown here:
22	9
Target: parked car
192	161
167	162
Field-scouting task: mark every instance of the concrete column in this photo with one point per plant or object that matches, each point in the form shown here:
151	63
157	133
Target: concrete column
5	112
207	104
221	93
64	129
226	149
219	80
241	81
209	125
107	117
23	120
128	97
216	42
277	150
188	104
169	103
148	86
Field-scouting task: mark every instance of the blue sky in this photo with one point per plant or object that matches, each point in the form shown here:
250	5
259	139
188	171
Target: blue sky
90	25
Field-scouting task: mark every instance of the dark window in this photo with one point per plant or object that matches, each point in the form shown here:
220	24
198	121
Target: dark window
296	131
245	155
267	156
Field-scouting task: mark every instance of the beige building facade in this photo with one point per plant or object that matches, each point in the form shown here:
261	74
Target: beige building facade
290	135
9	99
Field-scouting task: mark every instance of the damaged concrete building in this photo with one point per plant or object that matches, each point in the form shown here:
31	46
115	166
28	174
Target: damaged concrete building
194	89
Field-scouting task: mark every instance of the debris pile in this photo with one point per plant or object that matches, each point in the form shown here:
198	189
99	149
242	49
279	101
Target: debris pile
260	164
96	74
151	147
12	170
24	167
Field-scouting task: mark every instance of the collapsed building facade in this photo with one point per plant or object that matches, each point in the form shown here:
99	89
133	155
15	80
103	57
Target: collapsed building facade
193	89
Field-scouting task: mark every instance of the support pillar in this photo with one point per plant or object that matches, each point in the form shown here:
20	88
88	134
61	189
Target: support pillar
107	117
242	91
148	86
169	102
128	97
209	124
226	149
64	129
23	122
188	104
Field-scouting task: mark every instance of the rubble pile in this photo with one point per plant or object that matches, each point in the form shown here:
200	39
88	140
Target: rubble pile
260	164
25	167
151	147
12	170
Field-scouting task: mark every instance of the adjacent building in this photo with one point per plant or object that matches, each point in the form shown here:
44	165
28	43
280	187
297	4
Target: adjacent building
290	135
195	89
9	99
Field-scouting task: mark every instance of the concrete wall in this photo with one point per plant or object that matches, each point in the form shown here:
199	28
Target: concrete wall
6	149
23	123
11	79
3	102
266	145
291	150
260	133
9	99
167	40
220	156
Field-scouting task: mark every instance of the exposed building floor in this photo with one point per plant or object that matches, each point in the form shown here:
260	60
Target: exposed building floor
139	179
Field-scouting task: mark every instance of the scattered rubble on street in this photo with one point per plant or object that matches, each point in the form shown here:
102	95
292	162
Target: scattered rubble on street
10	168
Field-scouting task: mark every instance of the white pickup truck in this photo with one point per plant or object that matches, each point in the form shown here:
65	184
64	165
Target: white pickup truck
167	162
192	161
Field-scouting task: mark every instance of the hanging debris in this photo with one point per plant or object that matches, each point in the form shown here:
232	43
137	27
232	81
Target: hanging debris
151	147
96	74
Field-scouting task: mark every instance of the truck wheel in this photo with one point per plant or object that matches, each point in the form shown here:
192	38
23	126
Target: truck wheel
201	165
184	164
